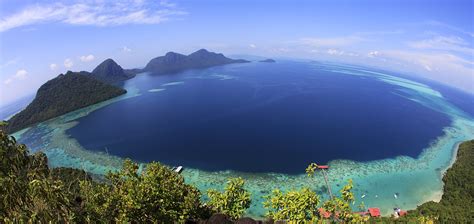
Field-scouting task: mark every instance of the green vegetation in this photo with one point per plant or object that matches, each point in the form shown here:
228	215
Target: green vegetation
27	190
457	202
342	206
302	206
61	95
157	194
110	72
31	192
294	206
233	201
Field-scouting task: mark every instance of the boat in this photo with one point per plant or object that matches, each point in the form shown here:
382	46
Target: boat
178	169
363	196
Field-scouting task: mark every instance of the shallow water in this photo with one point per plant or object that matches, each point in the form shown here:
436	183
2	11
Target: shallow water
413	170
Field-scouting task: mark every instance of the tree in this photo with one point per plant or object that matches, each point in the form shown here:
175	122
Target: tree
27	191
234	201
293	206
340	207
157	194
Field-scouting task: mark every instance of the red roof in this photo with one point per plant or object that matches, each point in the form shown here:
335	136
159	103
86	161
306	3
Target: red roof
324	213
323	167
374	212
402	213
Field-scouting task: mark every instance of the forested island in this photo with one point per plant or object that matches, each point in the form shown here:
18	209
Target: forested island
32	192
269	60
175	62
63	94
75	90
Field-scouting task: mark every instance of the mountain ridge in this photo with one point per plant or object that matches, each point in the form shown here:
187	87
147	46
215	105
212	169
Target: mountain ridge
173	62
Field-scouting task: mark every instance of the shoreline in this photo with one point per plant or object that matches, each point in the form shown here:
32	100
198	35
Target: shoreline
67	152
436	196
379	179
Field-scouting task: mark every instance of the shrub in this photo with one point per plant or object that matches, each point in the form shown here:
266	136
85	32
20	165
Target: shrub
233	201
293	206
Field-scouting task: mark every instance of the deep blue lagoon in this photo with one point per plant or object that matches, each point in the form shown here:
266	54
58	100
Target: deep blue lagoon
261	117
389	133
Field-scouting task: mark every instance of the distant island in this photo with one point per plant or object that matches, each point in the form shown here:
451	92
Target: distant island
269	60
75	90
110	72
63	94
174	62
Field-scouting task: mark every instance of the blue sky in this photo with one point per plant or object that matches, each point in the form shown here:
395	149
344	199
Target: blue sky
40	39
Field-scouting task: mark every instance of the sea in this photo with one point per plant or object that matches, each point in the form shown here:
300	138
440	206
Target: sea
394	134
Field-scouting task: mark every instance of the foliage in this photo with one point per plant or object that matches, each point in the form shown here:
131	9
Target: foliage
61	95
233	201
27	191
110	72
457	202
340	207
31	192
311	169
293	206
155	195
301	206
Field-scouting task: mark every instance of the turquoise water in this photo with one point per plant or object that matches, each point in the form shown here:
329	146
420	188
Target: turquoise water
414	180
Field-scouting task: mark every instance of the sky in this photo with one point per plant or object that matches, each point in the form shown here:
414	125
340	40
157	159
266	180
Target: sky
41	39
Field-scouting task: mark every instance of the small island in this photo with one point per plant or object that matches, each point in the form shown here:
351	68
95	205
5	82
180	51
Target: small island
174	62
268	60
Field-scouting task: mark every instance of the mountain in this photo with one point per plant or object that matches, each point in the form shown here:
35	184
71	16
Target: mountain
269	60
110	72
61	95
174	62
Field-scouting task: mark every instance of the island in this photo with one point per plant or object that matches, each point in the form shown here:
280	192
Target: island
269	60
174	62
110	72
75	90
63	94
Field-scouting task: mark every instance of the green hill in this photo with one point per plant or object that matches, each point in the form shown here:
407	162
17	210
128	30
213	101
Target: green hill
63	94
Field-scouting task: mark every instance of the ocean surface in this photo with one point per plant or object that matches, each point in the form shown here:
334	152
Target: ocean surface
392	134
260	117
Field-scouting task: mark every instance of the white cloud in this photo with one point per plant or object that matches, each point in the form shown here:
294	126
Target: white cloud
126	49
7	81
53	66
68	63
447	26
373	54
8	63
252	46
97	13
87	58
167	4
339	53
443	67
335	52
332	42
445	43
21	74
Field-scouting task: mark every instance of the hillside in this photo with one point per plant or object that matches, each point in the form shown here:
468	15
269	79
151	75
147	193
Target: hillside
61	95
174	62
110	72
457	202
